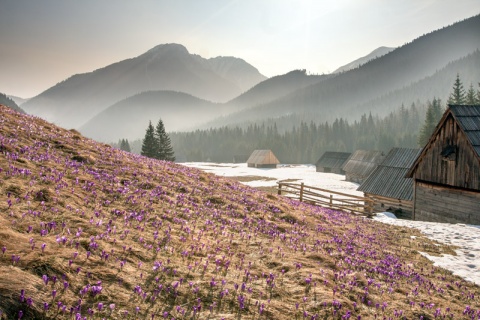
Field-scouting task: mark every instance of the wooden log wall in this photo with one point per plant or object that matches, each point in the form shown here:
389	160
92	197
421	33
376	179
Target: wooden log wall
383	203
443	204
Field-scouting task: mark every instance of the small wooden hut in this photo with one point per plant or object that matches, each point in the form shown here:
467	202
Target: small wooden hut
387	185
361	164
332	162
447	172
262	159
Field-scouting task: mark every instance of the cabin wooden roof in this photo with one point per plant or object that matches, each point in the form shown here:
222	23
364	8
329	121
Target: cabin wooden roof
388	179
263	157
331	159
468	119
363	162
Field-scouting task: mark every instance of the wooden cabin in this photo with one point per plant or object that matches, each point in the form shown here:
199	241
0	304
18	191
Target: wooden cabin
361	164
262	159
387	185
447	172
332	162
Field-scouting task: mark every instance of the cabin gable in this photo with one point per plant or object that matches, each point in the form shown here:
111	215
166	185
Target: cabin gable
449	158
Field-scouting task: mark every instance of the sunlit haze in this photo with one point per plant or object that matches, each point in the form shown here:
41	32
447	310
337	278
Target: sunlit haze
45	42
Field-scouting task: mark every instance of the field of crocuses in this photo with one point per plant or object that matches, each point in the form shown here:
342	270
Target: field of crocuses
91	232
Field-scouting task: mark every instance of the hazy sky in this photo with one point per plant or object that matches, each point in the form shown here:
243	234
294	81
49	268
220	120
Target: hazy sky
44	42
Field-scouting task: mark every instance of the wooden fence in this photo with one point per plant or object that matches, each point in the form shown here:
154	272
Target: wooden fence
327	198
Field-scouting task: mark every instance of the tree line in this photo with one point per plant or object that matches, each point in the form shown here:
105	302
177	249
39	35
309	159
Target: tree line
304	143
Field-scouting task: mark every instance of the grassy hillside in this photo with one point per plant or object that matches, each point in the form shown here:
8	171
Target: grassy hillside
93	232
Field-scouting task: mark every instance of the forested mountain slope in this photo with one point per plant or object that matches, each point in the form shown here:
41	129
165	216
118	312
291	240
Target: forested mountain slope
346	94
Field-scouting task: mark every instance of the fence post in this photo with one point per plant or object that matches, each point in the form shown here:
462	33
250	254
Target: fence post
370	206
331	200
279	189
301	192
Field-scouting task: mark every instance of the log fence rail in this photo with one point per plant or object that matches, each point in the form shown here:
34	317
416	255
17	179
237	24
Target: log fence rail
327	198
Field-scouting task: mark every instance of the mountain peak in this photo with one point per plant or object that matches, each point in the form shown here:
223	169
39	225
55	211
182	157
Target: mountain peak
174	48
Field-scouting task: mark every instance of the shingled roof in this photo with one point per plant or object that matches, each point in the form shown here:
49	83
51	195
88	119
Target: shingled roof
263	157
468	118
388	179
332	159
363	162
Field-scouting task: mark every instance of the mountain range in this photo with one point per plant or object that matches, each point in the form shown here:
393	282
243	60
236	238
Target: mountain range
344	94
183	112
188	91
169	67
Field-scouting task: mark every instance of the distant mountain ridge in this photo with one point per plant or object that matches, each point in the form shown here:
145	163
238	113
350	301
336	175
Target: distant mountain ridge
178	111
75	100
274	88
358	62
346	94
237	71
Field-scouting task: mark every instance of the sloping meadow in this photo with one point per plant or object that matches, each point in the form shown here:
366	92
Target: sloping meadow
91	232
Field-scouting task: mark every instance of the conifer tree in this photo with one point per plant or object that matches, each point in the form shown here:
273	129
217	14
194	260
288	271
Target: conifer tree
471	97
478	94
150	143
433	116
458	94
124	145
164	149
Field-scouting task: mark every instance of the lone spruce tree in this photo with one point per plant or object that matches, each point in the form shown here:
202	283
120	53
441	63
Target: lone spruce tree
150	143
458	95
164	150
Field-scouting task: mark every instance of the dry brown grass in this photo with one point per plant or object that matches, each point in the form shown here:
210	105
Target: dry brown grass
200	227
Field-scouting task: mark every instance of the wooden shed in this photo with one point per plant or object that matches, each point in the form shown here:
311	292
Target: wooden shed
262	159
332	162
361	164
447	172
387	184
